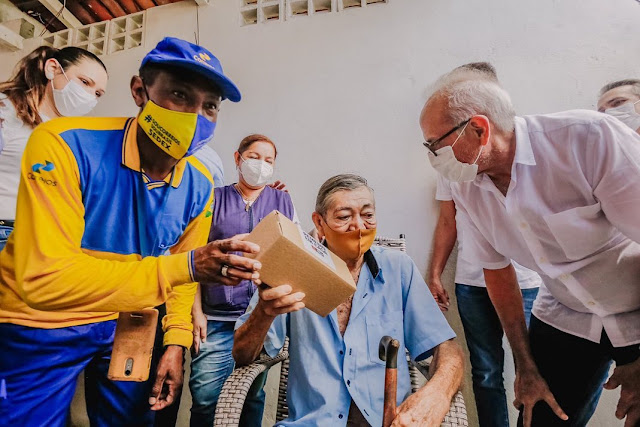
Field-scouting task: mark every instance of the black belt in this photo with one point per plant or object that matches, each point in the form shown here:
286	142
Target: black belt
7	222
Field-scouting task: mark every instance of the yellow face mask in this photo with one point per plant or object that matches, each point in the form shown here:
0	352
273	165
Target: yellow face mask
178	134
349	245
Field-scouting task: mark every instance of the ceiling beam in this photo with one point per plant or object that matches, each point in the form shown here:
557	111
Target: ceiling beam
9	39
67	18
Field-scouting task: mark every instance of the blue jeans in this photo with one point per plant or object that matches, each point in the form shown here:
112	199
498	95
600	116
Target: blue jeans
210	369
39	369
4	235
484	333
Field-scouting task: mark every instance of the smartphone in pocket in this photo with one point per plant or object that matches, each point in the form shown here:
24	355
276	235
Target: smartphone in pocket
133	345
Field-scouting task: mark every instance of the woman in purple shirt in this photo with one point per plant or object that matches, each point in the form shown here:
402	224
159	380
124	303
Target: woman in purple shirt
238	209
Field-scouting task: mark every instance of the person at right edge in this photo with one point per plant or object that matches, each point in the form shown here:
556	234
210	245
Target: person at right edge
621	99
480	321
559	194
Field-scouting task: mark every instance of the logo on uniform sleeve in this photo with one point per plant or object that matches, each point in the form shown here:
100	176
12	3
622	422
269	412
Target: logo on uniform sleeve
47	167
38	168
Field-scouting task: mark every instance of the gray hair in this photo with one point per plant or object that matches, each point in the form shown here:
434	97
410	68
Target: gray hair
634	83
470	91
485	68
337	183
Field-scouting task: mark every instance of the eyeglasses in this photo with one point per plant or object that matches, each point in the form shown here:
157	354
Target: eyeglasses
431	145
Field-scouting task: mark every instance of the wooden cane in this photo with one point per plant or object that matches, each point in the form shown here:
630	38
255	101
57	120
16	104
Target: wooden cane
388	351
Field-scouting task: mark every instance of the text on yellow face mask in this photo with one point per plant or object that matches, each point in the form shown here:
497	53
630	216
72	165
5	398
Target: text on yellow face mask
172	131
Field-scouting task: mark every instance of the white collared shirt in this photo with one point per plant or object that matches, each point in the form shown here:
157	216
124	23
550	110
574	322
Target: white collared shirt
572	213
14	134
468	273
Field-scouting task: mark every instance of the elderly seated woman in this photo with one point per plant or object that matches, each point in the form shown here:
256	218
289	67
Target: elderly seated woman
335	376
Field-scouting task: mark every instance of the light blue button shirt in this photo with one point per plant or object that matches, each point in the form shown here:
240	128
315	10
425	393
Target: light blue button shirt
327	370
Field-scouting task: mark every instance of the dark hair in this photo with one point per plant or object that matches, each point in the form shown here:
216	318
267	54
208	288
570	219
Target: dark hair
256	137
27	86
150	71
483	67
634	83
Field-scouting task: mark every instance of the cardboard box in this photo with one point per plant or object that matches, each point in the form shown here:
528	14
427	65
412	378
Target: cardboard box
291	256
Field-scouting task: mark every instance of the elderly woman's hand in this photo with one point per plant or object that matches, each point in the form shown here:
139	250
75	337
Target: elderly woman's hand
199	329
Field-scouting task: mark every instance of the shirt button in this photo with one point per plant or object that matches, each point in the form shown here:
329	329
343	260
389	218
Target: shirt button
564	276
591	303
348	382
341	352
542	259
340	416
523	225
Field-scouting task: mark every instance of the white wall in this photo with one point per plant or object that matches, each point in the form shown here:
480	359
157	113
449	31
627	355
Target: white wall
342	91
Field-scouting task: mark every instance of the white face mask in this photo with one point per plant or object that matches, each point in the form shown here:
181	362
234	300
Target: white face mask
72	100
446	164
256	172
627	114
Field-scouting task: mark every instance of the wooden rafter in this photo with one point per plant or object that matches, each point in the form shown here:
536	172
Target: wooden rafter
66	17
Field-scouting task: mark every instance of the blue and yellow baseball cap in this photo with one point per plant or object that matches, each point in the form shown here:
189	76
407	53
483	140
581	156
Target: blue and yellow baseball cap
181	53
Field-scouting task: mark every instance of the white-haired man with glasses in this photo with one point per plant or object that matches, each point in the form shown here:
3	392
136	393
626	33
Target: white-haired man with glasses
558	194
482	329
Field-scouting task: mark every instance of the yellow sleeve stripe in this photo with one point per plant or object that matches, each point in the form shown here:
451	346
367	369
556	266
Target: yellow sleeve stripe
200	167
63	124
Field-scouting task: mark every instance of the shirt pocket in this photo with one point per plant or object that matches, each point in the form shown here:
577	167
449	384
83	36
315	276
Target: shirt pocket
169	232
389	323
581	231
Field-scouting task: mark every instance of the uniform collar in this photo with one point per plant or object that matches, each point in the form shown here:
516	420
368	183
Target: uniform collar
131	155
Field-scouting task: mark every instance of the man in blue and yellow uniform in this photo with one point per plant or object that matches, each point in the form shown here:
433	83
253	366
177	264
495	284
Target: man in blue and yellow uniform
113	215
